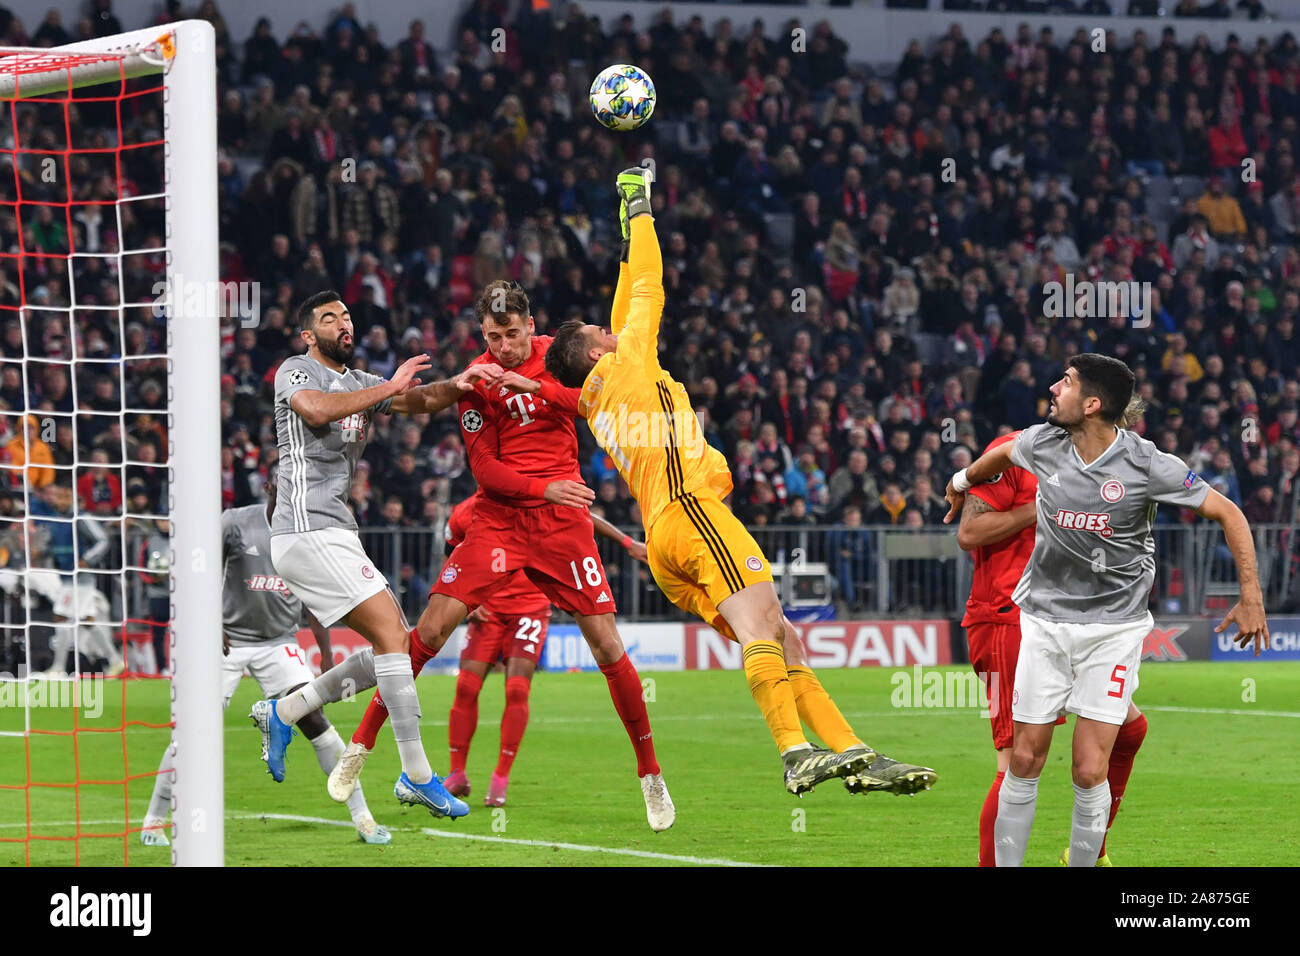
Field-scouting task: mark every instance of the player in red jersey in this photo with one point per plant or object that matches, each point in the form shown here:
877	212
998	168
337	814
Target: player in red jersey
997	527
511	628
523	451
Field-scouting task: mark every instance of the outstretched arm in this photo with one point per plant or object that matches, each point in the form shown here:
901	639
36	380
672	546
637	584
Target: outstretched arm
430	398
639	339
989	465
318	407
982	524
1247	613
622	299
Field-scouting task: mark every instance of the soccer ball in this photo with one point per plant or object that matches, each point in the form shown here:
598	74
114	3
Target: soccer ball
622	97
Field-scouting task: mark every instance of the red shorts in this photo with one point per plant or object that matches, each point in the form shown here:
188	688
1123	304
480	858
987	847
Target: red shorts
994	650
553	544
503	636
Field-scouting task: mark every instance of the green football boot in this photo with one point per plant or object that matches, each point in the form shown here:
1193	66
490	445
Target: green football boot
889	775
805	768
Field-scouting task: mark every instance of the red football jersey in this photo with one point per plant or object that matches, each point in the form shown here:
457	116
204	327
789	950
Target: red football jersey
998	567
517	595
518	444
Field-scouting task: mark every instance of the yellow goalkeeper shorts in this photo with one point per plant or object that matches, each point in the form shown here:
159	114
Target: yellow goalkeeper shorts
700	554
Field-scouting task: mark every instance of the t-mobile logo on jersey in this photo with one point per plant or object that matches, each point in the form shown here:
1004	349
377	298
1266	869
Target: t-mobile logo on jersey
522	406
1084	521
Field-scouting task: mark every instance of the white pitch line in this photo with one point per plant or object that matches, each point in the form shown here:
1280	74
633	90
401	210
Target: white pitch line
1221	710
577	847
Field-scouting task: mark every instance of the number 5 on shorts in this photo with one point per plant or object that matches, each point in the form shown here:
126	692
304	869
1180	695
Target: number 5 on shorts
1117	677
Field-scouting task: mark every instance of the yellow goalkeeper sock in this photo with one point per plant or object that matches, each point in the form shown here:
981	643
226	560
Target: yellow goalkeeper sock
818	711
770	685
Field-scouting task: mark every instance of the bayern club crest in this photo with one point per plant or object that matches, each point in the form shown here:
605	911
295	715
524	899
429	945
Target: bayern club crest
1112	490
449	573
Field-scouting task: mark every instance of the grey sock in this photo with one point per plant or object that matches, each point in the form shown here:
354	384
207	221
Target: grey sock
397	687
351	677
161	802
1016	803
355	674
1088	823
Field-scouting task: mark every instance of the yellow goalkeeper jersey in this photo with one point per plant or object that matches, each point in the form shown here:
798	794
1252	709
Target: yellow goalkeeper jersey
640	415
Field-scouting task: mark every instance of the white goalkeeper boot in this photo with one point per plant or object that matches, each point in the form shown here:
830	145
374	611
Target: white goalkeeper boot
346	773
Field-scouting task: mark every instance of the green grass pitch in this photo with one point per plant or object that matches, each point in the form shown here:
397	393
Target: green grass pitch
1207	788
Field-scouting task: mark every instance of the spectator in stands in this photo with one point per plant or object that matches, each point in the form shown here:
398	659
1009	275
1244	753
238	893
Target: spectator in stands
850	552
27	448
1221	211
98	489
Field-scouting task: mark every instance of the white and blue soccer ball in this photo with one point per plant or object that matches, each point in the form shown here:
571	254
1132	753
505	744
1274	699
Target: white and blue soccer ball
622	97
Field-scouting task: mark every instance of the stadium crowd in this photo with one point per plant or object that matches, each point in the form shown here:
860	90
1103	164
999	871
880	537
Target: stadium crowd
858	266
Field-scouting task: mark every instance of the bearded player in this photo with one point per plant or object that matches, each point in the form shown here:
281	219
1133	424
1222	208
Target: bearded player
701	556
511	628
323	410
1083	595
259	626
523	452
997	528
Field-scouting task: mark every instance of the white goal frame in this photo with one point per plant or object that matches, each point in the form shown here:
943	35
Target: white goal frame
193	392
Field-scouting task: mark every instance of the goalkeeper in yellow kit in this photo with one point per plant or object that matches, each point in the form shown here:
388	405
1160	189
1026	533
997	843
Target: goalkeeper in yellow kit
701	556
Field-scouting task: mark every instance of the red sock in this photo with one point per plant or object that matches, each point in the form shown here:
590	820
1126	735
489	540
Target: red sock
464	718
374	717
420	655
989	816
625	688
1127	743
513	722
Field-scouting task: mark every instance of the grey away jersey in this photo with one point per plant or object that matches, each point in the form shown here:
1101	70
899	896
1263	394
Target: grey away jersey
1094	555
317	464
256	605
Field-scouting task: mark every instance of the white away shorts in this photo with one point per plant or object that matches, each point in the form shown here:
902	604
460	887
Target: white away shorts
327	570
1085	669
275	667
